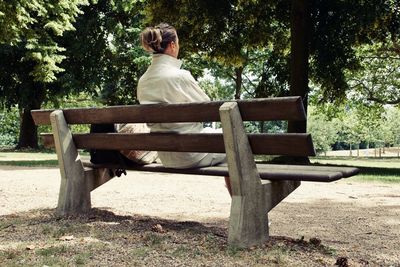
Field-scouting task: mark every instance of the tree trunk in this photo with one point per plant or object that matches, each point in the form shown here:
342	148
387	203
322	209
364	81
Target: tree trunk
28	130
300	25
262	126
238	82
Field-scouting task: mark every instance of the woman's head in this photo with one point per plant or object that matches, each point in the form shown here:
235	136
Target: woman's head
161	39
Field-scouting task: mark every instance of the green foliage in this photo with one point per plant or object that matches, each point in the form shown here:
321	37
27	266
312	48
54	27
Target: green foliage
81	100
392	116
378	79
31	55
33	27
216	88
9	130
353	124
104	57
232	36
339	28
323	130
233	33
45	61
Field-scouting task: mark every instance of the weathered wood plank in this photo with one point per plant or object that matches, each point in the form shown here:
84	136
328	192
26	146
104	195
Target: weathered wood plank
263	109
345	171
292	144
273	172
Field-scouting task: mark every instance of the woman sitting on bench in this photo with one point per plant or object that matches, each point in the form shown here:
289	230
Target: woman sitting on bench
165	82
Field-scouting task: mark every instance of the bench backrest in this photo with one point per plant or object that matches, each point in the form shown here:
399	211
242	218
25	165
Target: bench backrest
284	108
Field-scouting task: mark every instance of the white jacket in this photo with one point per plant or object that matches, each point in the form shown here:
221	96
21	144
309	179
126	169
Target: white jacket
165	82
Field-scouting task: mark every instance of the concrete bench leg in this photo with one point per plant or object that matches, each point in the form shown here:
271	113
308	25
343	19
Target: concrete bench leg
248	223
251	197
76	181
276	191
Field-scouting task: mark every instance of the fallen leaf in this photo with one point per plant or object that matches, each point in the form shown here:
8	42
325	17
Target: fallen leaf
158	228
30	247
66	238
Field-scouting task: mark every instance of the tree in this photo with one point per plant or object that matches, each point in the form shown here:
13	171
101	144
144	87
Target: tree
230	34
33	26
31	55
392	116
378	79
300	25
322	34
101	57
323	130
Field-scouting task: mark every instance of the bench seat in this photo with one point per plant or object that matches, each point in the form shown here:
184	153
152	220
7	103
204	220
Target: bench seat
273	172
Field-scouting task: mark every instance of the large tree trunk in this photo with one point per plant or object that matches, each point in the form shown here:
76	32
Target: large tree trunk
28	130
300	25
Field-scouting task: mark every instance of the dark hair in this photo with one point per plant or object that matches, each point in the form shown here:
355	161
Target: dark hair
156	39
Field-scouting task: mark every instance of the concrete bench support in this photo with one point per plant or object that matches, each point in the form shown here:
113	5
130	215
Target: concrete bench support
77	181
251	197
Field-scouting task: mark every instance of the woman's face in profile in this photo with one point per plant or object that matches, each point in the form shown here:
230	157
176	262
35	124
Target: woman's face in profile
175	47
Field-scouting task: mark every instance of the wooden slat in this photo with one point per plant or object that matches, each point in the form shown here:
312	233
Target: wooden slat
271	172
292	144
263	109
345	171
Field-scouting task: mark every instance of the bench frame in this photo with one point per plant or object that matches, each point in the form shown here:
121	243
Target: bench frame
252	197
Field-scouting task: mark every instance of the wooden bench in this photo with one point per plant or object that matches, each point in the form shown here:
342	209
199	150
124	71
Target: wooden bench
257	188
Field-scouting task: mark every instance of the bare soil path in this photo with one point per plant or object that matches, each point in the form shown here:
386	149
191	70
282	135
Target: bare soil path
361	221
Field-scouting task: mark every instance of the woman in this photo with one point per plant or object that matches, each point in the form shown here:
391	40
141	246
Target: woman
165	82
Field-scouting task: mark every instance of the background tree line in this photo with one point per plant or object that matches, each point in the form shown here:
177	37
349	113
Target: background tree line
330	50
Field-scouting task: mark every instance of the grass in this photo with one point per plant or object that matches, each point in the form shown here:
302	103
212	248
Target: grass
29	163
371	169
102	238
31	158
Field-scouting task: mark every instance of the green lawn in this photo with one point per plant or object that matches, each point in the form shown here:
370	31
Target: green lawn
371	169
31	158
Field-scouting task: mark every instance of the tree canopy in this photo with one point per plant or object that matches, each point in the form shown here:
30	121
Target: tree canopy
261	48
228	31
378	78
33	26
50	52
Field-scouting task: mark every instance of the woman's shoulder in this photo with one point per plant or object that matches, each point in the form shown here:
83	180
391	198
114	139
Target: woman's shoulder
185	75
174	75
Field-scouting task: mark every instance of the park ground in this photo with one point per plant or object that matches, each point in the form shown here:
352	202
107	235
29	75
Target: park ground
147	219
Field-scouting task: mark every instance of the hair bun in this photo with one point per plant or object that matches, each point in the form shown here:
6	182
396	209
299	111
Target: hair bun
151	39
156	39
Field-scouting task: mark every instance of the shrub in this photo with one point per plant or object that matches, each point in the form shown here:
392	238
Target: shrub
9	130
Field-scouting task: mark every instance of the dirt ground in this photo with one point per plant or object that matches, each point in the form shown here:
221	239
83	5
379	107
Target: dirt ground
361	221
